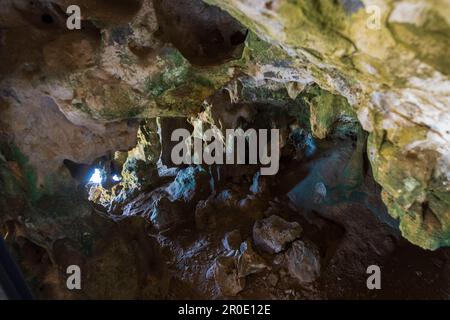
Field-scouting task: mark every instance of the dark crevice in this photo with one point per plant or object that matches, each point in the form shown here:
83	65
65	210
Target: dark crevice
80	172
47	18
205	35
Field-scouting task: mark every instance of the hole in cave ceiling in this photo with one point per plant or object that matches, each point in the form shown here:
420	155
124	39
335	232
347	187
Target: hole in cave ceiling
101	172
96	177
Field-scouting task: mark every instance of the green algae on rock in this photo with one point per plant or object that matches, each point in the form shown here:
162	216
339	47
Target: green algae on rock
401	70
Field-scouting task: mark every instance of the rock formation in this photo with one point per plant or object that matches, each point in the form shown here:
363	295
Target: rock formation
359	90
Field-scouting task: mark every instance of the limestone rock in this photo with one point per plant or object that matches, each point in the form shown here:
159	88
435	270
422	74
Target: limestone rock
273	279
80	105
389	60
165	213
170	204
226	199
64	229
77	96
226	276
252	206
303	261
190	184
232	240
274	233
158	208
249	262
207	211
259	184
52	137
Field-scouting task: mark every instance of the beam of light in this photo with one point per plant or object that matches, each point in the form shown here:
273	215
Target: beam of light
96	177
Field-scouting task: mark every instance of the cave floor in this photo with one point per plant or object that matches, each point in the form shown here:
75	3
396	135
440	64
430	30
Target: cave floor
350	237
408	272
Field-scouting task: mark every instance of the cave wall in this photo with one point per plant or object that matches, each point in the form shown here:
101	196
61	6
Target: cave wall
80	95
396	77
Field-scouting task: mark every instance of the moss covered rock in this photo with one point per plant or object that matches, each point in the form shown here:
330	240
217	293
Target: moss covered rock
390	60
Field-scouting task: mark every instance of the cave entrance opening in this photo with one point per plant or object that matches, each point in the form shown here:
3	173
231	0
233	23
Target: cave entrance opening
97	176
100	173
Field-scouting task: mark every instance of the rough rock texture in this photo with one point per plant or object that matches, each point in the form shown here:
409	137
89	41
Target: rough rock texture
394	71
117	257
303	261
69	92
47	137
320	71
249	262
230	271
71	100
274	233
232	240
226	276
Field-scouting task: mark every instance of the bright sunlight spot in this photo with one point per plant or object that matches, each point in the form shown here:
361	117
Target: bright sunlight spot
96	177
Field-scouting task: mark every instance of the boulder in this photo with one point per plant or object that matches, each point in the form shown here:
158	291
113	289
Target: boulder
190	185
232	240
303	261
274	233
249	262
226	276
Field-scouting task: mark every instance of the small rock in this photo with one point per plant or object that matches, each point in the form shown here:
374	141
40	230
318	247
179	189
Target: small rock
226	276
232	253
272	279
274	233
253	206
232	240
303	261
249	262
190	185
226	199
165	214
279	259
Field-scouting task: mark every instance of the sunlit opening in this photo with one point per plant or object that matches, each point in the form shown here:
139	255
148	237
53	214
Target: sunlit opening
116	178
96	177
